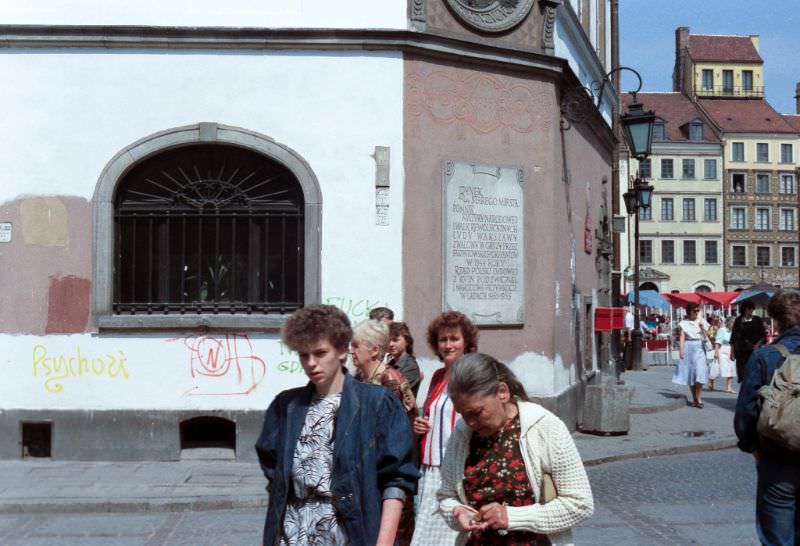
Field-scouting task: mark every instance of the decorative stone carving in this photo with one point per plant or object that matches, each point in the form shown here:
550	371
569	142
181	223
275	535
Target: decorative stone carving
484	102
491	15
418	10
549	10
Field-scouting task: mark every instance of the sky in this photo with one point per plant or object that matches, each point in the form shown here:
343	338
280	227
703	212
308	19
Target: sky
647	39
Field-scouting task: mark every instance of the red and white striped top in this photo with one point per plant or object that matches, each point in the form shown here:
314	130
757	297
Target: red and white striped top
442	416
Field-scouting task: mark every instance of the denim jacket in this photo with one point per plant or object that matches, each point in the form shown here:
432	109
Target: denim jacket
373	456
757	373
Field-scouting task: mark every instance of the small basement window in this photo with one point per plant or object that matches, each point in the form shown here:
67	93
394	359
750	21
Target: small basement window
37	440
208	432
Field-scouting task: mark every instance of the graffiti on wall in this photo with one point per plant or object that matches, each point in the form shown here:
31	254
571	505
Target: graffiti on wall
58	368
223	365
355	308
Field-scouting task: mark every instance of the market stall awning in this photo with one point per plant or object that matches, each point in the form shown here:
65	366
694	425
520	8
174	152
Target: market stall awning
718	299
682	299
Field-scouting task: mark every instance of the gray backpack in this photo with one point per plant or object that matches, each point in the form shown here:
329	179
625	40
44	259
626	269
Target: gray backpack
779	419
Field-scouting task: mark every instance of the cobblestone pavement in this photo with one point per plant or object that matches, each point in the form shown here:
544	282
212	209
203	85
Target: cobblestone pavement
698	498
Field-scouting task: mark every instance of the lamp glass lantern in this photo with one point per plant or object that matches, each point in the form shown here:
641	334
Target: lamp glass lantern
638	126
631	201
645	192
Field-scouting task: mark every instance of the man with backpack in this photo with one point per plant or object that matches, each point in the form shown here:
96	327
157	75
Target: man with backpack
767	423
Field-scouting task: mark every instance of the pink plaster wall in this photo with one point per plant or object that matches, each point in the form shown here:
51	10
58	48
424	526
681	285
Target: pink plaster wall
456	112
38	252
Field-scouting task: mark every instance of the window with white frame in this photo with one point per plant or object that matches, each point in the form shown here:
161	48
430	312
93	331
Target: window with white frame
747	80
786	153
762	219
667	209
688	210
737	151
737	183
708	79
786	220
739	255
688	168
645	214
762	152
710	168
738	218
690	252
711	253
786	184
788	256
659	130
762	183
710	210
645	168
696	131
667	252
762	256
667	169
646	251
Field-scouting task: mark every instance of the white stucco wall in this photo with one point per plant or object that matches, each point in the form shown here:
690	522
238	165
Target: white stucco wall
190	13
68	113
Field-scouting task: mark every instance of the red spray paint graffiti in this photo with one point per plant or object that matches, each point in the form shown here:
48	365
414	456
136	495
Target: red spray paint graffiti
224	365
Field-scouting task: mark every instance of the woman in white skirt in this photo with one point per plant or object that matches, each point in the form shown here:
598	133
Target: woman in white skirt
692	369
450	336
723	365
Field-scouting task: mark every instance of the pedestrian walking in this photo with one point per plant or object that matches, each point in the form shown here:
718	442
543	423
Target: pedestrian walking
401	351
512	474
367	349
450	336
338	454
692	368
778	489
748	333
723	366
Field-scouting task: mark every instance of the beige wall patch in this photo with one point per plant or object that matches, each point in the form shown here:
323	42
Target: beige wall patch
44	221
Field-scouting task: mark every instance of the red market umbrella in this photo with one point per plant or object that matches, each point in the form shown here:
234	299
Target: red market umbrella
682	299
718	299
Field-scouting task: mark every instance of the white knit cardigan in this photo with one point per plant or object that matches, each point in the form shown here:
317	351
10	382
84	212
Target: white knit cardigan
546	447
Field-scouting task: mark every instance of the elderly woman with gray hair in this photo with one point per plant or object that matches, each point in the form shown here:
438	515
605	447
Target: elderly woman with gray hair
511	473
367	349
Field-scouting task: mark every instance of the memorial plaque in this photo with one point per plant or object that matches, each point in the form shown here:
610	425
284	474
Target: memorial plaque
483	242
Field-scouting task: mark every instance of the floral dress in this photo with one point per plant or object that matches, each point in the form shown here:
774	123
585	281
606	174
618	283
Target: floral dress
310	518
495	472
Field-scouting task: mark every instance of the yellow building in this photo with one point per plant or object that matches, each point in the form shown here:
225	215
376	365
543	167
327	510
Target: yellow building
717	66
760	191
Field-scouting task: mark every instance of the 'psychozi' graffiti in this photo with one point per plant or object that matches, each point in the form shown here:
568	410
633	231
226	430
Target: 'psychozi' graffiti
58	367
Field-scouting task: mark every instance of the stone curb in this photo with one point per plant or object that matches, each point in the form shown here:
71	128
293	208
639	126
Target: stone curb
716	445
199	504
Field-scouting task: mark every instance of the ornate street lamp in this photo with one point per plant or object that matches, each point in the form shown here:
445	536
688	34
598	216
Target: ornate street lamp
638	127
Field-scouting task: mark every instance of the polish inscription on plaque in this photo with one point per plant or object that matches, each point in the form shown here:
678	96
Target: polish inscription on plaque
483	242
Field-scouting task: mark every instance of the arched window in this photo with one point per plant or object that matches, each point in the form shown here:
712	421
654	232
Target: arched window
648	286
212	226
702	289
208	228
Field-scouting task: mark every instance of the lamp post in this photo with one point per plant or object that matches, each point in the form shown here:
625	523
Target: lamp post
638	127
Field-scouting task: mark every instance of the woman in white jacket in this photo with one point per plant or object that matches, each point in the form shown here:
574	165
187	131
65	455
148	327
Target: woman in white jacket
503	459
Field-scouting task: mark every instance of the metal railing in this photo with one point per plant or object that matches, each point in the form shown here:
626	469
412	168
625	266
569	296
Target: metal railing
730	91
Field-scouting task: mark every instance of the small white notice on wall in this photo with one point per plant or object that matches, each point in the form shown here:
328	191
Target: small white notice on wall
5	232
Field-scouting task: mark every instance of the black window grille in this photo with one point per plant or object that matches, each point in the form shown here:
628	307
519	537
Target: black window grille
208	229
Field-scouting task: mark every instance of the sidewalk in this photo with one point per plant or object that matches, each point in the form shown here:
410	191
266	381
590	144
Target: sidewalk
661	424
